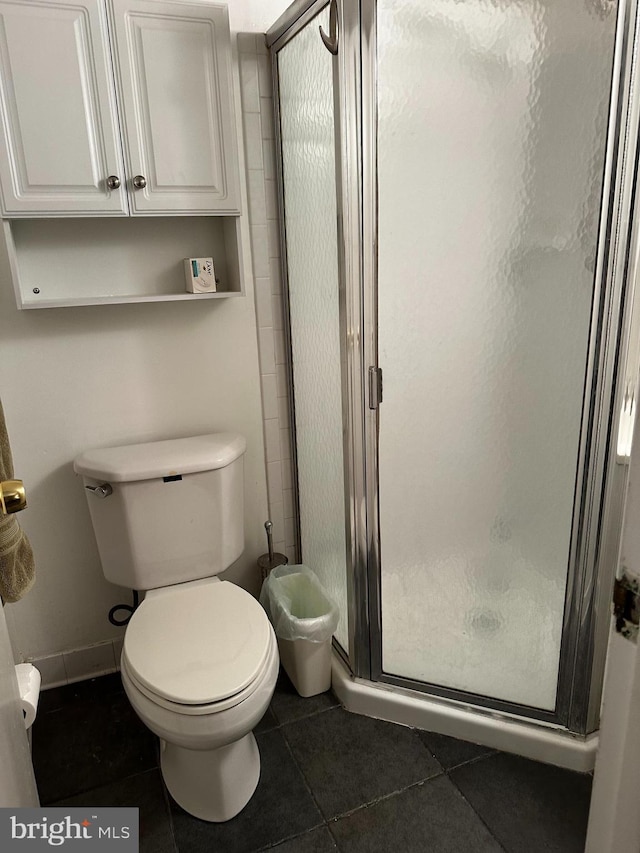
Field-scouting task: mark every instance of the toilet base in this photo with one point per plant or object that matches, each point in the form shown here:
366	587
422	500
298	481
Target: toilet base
213	785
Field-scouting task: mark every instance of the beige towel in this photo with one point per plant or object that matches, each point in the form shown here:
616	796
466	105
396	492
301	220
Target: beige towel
17	568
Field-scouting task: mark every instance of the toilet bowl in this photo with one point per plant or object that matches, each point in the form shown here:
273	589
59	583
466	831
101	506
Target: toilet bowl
200	660
202	706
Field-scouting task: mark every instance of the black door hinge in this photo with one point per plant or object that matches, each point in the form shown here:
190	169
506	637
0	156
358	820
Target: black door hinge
626	605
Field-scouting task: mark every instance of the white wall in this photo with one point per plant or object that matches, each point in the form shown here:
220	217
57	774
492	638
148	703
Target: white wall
73	378
255	16
257	106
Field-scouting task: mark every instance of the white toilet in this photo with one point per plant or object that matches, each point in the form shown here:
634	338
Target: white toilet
200	658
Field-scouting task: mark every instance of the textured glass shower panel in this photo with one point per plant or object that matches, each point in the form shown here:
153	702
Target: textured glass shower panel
492	126
308	158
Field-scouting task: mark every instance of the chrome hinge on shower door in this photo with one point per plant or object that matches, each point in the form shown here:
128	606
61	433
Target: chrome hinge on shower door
626	605
375	387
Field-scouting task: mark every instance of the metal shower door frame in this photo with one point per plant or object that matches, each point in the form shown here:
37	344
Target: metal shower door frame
347	135
601	477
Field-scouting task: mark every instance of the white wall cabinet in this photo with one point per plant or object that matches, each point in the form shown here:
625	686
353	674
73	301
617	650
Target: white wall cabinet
117	121
174	68
116	108
60	138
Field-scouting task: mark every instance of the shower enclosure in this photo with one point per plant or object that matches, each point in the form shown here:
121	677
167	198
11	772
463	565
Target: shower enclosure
457	183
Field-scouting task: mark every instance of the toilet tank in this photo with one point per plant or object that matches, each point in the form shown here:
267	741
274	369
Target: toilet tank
166	512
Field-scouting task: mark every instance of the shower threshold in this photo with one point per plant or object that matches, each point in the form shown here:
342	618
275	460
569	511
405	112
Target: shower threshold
506	732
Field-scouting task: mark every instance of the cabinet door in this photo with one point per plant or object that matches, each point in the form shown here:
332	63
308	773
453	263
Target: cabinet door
60	138
174	69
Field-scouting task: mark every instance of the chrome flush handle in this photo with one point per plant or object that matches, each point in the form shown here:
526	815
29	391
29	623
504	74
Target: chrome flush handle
331	41
101	491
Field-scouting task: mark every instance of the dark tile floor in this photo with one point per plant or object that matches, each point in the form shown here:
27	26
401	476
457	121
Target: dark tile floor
330	781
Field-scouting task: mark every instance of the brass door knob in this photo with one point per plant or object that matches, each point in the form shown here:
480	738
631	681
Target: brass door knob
12	496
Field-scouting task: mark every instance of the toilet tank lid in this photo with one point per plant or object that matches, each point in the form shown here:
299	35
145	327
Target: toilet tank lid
156	459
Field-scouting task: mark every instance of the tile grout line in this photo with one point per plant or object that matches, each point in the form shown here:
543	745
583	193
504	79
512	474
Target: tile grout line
420	783
427	750
333	820
167	803
43	713
324	821
333	838
106	784
417	784
475	811
475	760
289	838
443	772
447	773
301	772
280	725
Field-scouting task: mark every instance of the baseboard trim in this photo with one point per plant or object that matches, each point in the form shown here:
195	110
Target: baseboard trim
79	664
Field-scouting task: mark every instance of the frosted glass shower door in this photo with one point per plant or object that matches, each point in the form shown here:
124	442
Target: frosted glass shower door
305	80
492	124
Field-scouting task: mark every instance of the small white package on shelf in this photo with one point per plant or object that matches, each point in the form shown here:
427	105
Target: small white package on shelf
200	275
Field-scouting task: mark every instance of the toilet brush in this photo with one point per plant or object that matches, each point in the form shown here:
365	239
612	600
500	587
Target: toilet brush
269	561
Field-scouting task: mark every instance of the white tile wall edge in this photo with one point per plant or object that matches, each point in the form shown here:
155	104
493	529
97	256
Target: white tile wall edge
551	745
257	119
79	664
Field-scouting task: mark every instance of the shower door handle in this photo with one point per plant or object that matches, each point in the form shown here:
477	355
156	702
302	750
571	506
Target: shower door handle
331	41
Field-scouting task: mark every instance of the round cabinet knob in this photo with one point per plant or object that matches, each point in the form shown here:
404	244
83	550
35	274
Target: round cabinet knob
139	182
113	182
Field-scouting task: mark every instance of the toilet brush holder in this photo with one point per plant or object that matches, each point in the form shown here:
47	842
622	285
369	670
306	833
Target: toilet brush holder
269	561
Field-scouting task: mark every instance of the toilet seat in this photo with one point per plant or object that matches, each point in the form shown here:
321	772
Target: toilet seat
202	710
199	647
